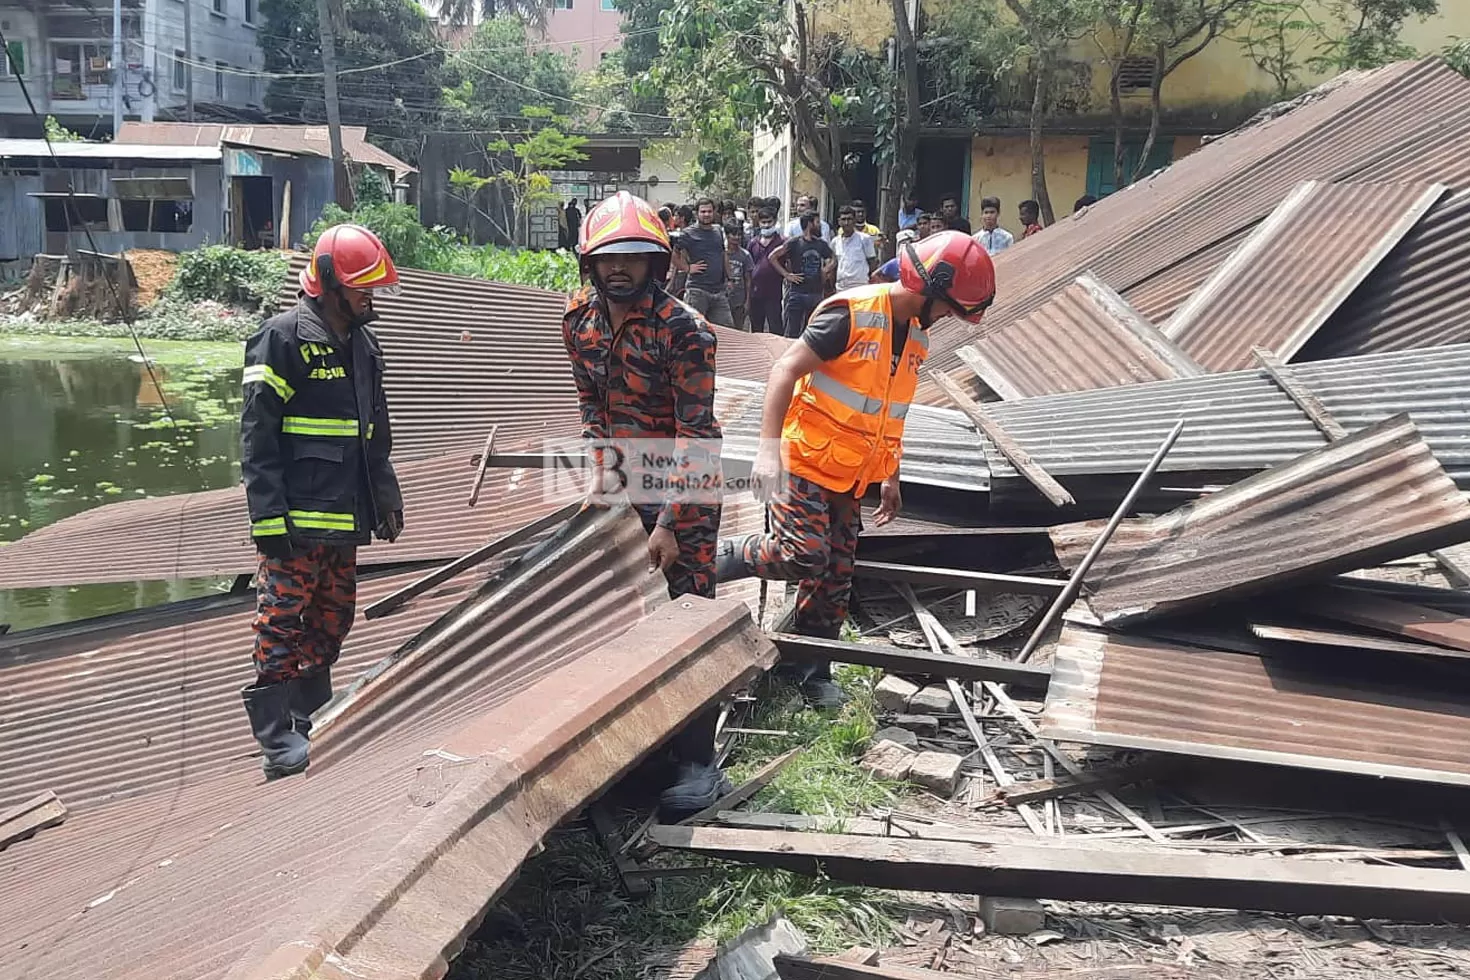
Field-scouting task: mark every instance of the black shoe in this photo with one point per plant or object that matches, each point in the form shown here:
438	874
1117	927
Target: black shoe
308	693
730	563
823	692
696	786
269	709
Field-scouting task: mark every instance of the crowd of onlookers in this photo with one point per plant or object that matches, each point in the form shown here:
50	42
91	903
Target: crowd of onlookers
741	268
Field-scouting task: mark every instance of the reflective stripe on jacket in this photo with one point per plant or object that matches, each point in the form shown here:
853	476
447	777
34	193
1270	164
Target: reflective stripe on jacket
314	433
844	429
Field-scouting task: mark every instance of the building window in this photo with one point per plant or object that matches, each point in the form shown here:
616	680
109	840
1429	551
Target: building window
218	8
609	5
76	65
181	71
249	11
16	64
219	80
168	216
83	212
1100	162
562	4
1136	74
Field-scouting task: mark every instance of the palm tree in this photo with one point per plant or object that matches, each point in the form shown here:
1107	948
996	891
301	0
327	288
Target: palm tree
458	13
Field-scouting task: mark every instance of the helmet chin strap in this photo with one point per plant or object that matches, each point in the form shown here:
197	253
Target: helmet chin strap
926	313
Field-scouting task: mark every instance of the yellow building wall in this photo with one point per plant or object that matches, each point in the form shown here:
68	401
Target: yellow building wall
1000	166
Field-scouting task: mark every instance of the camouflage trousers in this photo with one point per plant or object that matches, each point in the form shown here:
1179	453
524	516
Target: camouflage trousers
303	609
693	572
813	540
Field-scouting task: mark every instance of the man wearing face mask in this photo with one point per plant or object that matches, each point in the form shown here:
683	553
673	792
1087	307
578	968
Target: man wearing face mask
315	448
644	367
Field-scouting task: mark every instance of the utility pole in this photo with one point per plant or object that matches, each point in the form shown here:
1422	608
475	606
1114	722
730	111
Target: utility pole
341	186
119	69
188	60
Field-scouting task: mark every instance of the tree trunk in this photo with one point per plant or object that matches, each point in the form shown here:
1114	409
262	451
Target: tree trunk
1038	150
1155	109
1118	152
906	133
341	185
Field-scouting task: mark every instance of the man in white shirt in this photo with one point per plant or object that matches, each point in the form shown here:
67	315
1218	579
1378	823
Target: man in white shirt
991	236
856	256
805	205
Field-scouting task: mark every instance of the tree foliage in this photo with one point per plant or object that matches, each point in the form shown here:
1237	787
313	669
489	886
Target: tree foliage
462	12
499	71
528	158
1287	38
397	102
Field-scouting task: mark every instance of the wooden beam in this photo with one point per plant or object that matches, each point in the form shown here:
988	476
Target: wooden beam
891	658
1008	447
1057	871
961	578
1299	393
1363	608
836	968
1089	781
29	818
1328	637
484	463
747	789
606	829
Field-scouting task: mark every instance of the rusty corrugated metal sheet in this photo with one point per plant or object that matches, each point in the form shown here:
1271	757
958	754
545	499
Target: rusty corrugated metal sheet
1085	337
1295	269
1150	694
300	140
1377	495
1419	296
1158	296
1359	126
415	813
1237	422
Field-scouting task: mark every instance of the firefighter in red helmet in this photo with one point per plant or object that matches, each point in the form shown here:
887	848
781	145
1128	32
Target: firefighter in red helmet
644	366
833	425
315	447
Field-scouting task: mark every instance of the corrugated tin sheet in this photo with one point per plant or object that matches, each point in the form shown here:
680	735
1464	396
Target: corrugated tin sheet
1085	337
414	814
300	140
1136	693
1375	496
1158	296
1408	122
1237	422
1419	296
1295	269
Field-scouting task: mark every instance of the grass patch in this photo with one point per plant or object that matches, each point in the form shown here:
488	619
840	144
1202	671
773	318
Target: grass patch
565	916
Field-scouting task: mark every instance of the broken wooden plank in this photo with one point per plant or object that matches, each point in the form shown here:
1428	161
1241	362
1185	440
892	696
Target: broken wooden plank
606	828
485	454
1363	608
896	660
1089	781
747	789
1319	636
839	968
1061	871
1299	393
861	955
1008	447
30	818
962	578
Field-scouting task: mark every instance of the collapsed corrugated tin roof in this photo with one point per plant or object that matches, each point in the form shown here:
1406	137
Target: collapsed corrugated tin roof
411	818
1376	495
1085	337
1235	423
280	138
1140	693
1158	296
1407	122
1295	269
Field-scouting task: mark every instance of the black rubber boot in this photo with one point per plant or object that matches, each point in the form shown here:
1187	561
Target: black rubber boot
269	708
698	782
308	693
730	563
820	690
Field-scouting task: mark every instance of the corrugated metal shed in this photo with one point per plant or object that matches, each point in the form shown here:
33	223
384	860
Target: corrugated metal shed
1375	496
1408	122
1131	692
138	150
1295	269
298	140
1237	422
1419	296
414	814
1085	337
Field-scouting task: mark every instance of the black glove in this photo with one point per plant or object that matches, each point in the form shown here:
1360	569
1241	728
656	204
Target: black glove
391	526
276	546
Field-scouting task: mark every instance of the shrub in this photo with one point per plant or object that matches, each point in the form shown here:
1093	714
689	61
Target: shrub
410	243
231	275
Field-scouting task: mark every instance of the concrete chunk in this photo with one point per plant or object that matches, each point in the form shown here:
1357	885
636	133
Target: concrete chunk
893	693
923	724
1011	916
932	700
902	736
937	771
889	760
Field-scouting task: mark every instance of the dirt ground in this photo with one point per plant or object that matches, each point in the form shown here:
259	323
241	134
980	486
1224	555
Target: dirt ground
154	270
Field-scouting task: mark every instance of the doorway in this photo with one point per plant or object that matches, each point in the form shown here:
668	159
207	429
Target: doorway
252	212
944	166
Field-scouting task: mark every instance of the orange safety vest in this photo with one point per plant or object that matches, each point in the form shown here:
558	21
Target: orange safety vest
844	428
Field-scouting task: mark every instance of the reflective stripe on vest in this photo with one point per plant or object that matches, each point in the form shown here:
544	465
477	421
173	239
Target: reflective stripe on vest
269	527
265	375
320	520
301	425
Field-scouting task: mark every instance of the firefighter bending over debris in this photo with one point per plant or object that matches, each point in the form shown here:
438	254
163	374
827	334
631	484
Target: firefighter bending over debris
315	443
644	365
834	413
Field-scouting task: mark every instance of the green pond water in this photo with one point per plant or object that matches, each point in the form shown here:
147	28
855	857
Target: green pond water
84	426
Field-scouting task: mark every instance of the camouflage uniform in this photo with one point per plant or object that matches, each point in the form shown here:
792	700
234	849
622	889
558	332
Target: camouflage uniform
306	604
813	540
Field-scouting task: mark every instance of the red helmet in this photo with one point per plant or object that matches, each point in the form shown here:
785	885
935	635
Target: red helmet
351	256
950	266
623	223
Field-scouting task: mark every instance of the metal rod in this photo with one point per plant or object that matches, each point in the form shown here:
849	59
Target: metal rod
119	82
1074	584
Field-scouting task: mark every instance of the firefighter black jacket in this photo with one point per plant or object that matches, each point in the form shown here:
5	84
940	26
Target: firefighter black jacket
314	432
